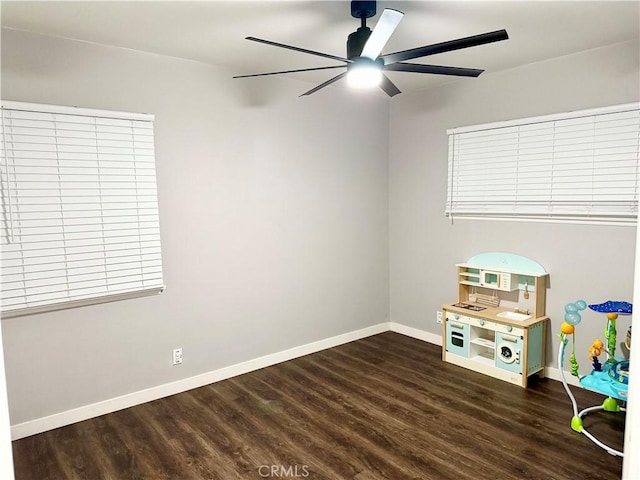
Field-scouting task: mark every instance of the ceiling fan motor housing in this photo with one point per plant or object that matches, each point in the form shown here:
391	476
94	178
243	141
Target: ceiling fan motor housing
356	41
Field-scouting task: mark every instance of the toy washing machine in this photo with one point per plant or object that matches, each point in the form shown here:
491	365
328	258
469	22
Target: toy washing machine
508	352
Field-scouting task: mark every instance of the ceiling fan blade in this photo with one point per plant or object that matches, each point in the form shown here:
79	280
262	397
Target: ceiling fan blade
322	85
289	71
388	86
297	49
451	45
436	69
383	30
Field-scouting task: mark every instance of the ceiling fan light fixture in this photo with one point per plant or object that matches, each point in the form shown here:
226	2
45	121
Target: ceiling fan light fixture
364	74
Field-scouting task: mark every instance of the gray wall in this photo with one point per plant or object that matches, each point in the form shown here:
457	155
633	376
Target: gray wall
273	213
590	262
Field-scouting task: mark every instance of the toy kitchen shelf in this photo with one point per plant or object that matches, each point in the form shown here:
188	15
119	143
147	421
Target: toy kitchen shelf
498	325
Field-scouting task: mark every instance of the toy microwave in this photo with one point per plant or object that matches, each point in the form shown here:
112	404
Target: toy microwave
499	280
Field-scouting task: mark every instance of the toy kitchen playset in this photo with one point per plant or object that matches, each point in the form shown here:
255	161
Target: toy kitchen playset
498	325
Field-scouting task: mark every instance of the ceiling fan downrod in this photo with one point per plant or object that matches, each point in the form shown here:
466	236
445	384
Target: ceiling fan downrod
357	40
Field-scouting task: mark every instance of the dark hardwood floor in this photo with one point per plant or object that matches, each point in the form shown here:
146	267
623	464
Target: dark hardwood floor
385	407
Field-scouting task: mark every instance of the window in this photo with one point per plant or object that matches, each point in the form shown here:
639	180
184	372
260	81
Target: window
574	167
78	212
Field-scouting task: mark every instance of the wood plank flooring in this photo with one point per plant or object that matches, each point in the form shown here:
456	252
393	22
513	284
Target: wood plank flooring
385	407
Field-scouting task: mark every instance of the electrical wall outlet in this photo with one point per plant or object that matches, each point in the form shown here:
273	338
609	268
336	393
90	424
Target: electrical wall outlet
439	317
177	356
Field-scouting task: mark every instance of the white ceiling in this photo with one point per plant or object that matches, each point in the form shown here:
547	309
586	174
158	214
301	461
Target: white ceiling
213	32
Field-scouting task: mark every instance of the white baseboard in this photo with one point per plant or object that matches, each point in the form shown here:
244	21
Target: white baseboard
416	333
85	412
554	374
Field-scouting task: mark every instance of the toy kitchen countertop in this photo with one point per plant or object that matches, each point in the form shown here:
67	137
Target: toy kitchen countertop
495	314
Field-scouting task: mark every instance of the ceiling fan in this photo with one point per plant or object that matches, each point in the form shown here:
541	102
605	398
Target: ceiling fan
365	65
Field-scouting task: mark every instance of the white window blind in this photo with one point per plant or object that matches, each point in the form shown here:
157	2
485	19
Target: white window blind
79	212
574	167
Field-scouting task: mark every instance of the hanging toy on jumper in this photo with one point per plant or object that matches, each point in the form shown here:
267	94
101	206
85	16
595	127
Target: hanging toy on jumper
594	352
571	319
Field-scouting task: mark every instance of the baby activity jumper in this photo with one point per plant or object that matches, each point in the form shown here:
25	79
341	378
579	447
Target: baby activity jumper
610	377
